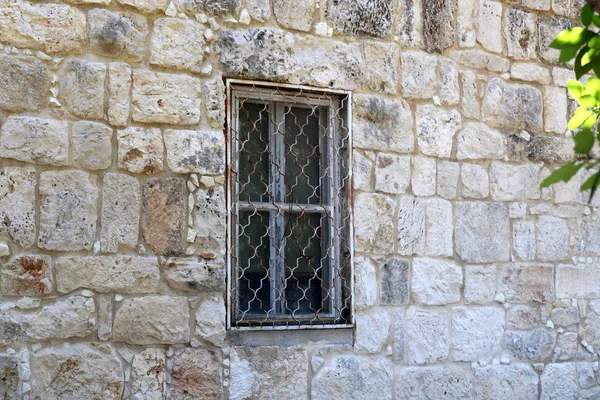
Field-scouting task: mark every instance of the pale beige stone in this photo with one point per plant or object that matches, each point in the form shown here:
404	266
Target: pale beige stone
470	95
177	44
392	173
296	15
147	6
209	220
519	32
17	204
120	214
197	374
530	72
374	230
25	83
423	180
259	10
555	109
105	317
478	141
149	374
82	88
119	85
195	151
419	76
196	275
449	90
474	181
214	102
435	130
510	182
118	34
436	281
465	21
479	59
382	59
489	20
140	150
210	321
91	145
27	275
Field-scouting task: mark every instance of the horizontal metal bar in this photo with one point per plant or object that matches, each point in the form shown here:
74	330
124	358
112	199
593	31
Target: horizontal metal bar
285	207
288	327
273	85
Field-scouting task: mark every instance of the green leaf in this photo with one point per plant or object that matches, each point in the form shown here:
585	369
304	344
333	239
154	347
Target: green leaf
587	101
581	69
576	88
591	183
578	119
563	174
594	43
592	88
567	55
589	56
596	20
586	15
584	141
574	37
590	121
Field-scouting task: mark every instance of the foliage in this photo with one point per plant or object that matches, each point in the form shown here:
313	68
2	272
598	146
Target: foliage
583	45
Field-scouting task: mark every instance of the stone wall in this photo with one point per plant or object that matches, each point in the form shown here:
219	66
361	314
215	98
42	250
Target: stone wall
477	284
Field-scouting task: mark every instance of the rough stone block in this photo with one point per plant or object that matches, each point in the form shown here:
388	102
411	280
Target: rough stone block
140	150
362	170
374	231
559	381
530	72
478	141
411	226
24	83
91	145
436	281
149	374
177	43
120	215
476	332
523	317
516	381
297	15
197	374
433	383
590	330
548	28
489	33
210	220
210	321
555	109
447	179
530	346
527	283
577	281
424	173
524	246
479	59
439	24
435	130
419	78
118	34
439	228
355	19
449	90
550	149
214	102
372	331
512	106
82	88
474	181
212	7
589	245
565	317
470	95
27	275
465	23
68	210
394	282
259	10
9	376
510	182
17	204
519	32
119	86
194	275
392	173
195	151
552	239
147	6
365	283
480	284
428	336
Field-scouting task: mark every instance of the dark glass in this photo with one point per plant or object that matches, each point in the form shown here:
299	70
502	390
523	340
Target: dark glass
254	162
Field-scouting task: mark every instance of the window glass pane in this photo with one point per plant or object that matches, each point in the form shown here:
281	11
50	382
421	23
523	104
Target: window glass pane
253	263
253	176
302	155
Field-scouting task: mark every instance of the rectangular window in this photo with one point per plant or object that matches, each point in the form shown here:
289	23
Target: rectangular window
289	231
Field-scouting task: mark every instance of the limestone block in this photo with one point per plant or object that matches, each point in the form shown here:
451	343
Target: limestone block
177	43
590	330
479	59
118	34
523	317
565	316
568	343
435	130
382	62
517	381
214	102
365	283
480	284
372	331
275	372
478	141
24	83
68	210
53	28
394	282
212	7
555	109
470	95
537	4
449	90
476	332
374	230
423	179
17	204
433	383
259	10
165	98
147	6
519	32
512	106
119	86
120	214
511	182
411	226
559	381
362	170
91	145
524	245
589	245
82	88
489	33
530	72
27	275
140	150
195	151
120	274
447	179
297	15
482	232
418	79
548	28
439	228
164	214
194	275
439	24
577	281
561	76
530	346
149	374
355	19
35	140
474	181
9	376
552	239
465	21
550	149
436	281
350	376
382	124
210	220
78	371
527	283
392	173
210	321
152	320
105	317
428	336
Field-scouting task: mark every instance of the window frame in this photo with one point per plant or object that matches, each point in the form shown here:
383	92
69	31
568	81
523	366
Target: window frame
311	96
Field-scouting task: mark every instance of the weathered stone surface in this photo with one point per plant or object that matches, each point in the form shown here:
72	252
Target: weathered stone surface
27	275
210	220
522	317
147	6
383	59
372	331
480	284
77	371
475	182
411	226
105	317
418	79
82	88
490	25
91	146
524	245
120	215
435	130
259	10
268	372
165	98
519	32
140	150
195	151
177	43
530	72
68	210
117	34
354	378
210	321
374	231
478	141
193	275
590	330
394	282
197	374
482	232
362	170
423	179
148	374
365	283
559	381
120	274
9	376
17	204
589	244
409	25
438	24
428	336
356	19
213	7
511	182
447	179
550	149
53	28
449	90
552	239
565	316
214	102
568	344
382	124
530	346
439	228
433	383
152	320
392	173
35	140
479	59
164	212
298	15
119	85
548	28
577	281
555	115
476	332
256	53
527	283
24	83
517	381
512	106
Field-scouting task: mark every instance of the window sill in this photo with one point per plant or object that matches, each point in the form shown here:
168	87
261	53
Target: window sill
287	338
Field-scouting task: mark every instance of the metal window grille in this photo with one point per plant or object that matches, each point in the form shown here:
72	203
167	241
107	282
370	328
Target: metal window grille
289	228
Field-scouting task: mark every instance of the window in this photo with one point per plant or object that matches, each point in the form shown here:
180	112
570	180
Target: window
289	248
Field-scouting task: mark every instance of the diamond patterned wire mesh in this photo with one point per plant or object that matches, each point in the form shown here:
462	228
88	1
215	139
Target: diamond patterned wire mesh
290	220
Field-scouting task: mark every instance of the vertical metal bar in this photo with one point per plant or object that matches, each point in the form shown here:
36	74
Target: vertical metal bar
327	195
279	222
351	203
